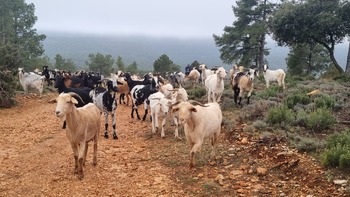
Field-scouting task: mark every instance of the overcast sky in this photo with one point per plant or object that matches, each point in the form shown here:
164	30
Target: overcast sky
177	18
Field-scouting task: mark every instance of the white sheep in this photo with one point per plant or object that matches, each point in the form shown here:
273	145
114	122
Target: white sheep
83	125
159	105
274	75
205	72
215	85
200	122
31	80
243	82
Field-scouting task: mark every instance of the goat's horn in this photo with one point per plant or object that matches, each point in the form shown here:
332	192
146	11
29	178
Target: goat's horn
174	104
193	102
77	95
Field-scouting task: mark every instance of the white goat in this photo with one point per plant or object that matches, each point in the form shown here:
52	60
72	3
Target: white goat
274	75
166	89
159	109
205	72
200	122
215	85
31	80
180	77
178	95
83	125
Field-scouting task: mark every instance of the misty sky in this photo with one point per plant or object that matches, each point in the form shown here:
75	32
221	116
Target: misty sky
178	18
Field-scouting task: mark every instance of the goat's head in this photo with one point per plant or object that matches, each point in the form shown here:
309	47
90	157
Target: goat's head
265	67
111	85
179	94
185	110
65	103
221	72
252	73
20	70
202	67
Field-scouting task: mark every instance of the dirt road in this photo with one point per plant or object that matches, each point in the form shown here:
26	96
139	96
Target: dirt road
36	160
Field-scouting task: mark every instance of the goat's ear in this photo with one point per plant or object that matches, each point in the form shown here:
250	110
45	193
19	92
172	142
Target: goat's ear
175	109
193	109
74	101
54	100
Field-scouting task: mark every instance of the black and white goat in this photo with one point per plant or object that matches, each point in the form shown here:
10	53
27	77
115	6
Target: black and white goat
104	99
49	75
139	95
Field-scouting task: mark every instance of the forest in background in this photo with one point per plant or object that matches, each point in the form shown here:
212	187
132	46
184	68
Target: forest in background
145	50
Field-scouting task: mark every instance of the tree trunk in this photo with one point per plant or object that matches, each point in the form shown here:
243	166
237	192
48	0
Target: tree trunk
337	66
261	51
347	68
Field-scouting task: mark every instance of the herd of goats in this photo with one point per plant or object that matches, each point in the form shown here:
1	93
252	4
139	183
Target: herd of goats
84	96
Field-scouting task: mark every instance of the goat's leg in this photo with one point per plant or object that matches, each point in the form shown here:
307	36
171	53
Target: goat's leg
144	116
132	112
163	126
235	95
85	152
194	150
115	135
249	95
81	160
106	124
176	123
209	96
213	144
76	154
94	161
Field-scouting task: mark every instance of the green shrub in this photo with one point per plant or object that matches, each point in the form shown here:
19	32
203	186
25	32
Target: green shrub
337	151
295	99
325	101
306	144
332	156
272	91
344	160
342	139
280	115
320	119
259	124
342	78
197	93
301	118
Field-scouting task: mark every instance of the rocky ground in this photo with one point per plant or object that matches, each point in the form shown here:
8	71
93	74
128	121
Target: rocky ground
36	160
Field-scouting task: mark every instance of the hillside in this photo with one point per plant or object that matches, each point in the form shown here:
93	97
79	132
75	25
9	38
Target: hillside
145	50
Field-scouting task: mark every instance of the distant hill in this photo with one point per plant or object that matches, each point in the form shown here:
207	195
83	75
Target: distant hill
145	50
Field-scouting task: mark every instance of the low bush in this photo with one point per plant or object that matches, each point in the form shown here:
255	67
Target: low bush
337	152
280	115
325	101
295	99
320	119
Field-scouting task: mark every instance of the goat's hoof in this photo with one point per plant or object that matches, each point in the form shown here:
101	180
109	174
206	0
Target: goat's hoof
115	136
81	176
106	135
